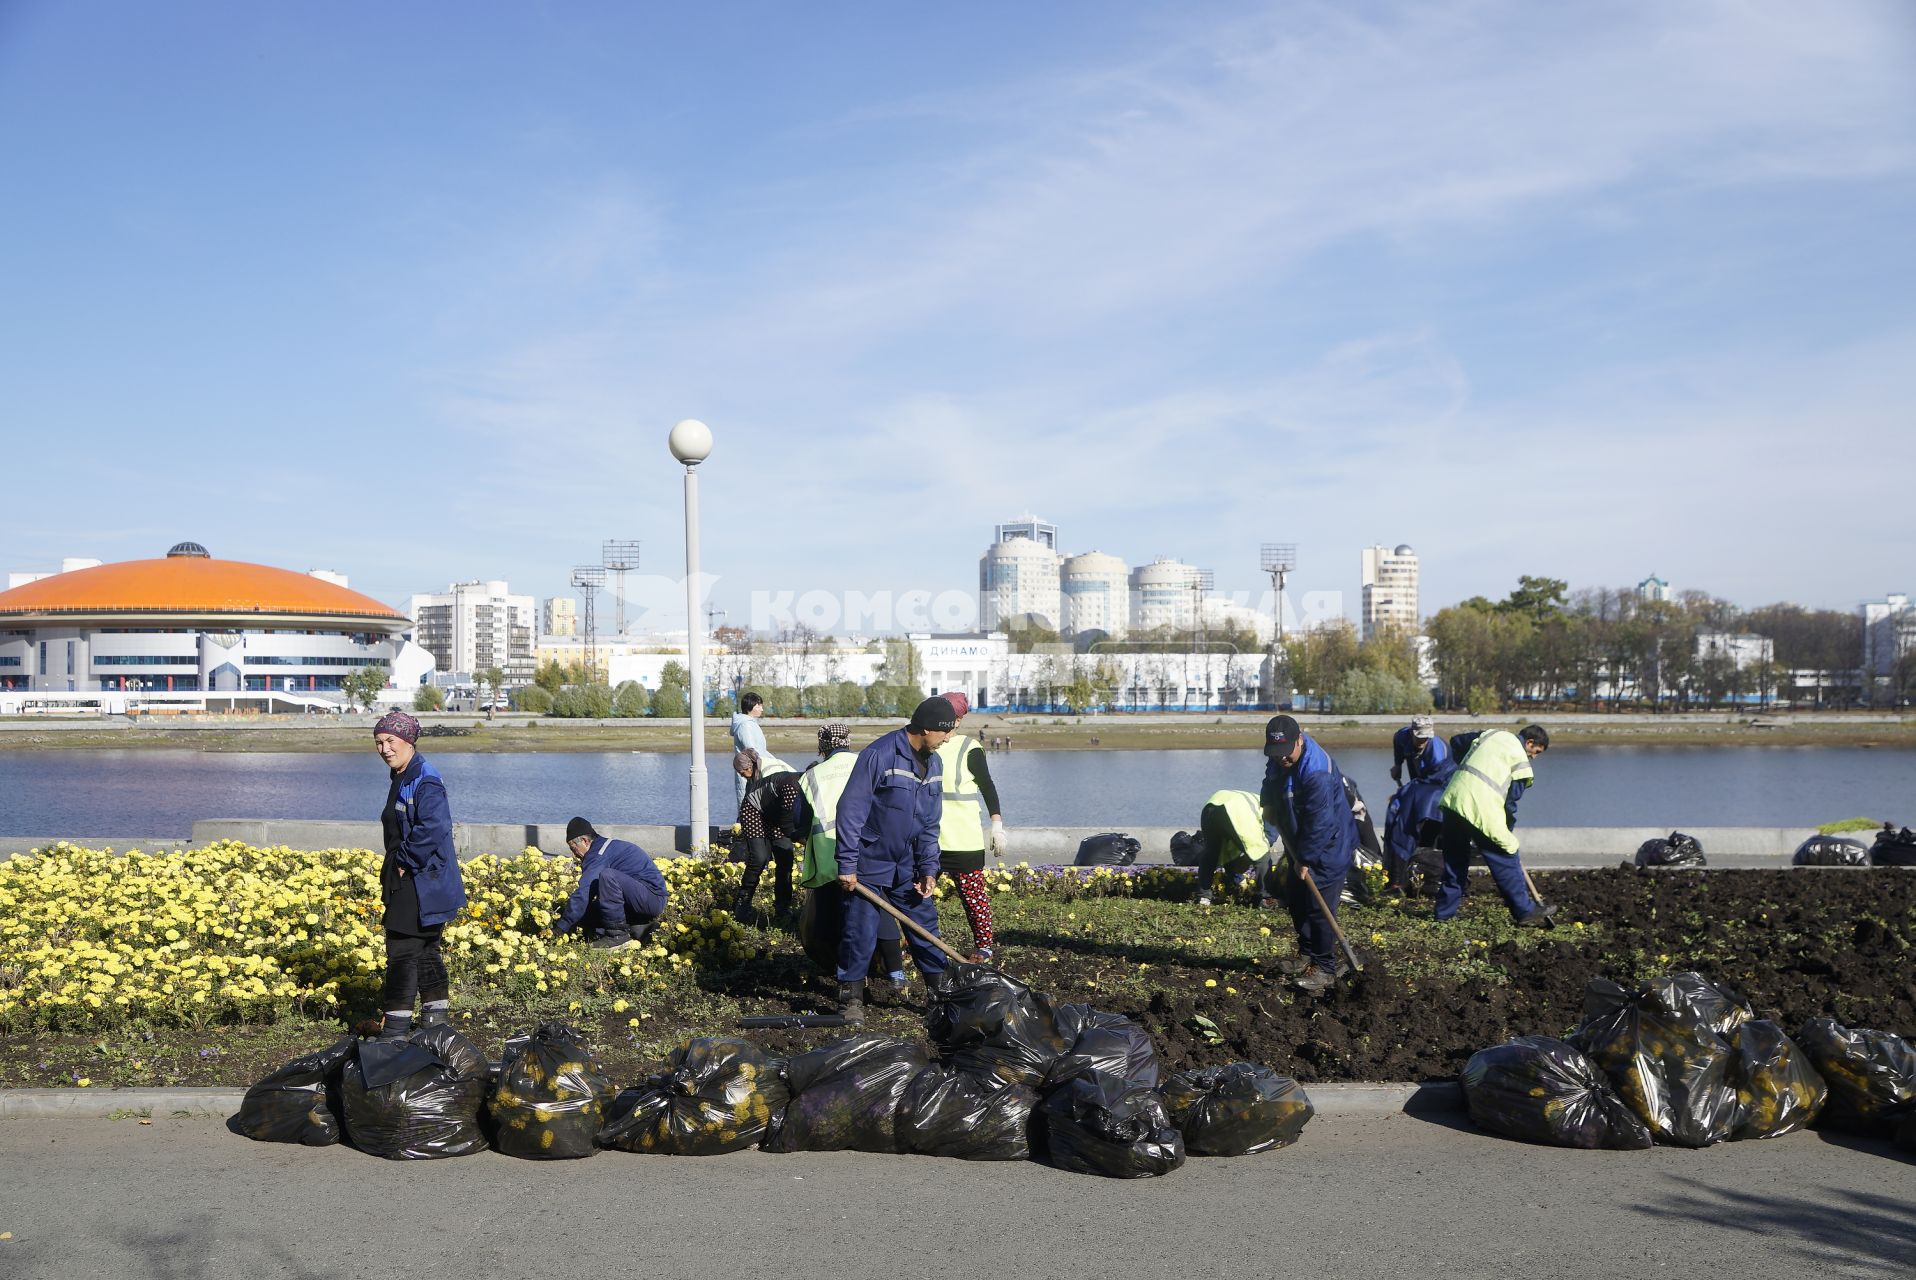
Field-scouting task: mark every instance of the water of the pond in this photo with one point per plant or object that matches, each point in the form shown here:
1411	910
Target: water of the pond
161	793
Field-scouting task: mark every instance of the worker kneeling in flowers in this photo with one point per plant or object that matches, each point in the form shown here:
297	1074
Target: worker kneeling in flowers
621	892
888	818
419	881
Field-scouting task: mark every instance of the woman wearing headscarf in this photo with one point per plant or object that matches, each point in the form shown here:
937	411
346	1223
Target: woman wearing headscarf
419	881
766	827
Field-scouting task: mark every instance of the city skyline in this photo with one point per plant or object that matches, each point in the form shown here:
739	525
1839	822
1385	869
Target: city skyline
1576	293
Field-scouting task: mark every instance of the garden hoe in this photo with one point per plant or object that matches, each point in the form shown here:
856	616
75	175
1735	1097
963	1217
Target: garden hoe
781	1020
1357	966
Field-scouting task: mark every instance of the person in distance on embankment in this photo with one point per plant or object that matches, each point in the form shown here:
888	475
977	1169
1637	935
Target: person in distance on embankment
1305	797
747	735
419	882
1478	810
888	819
961	837
621	892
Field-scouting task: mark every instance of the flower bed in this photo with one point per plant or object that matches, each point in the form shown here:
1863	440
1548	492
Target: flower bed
207	967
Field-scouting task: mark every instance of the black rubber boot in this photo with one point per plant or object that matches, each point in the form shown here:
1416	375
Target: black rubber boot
430	1017
395	1027
851	1002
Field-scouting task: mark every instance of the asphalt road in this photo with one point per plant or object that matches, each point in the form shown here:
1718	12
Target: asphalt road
1395	1196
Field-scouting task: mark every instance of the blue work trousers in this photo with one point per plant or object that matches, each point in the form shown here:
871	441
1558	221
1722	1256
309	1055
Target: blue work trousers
625	903
1315	937
1459	841
861	931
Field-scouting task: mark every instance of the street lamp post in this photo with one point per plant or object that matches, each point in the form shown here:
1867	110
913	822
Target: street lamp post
691	444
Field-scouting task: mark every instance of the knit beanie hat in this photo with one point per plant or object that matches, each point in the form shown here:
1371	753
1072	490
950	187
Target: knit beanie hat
576	828
399	725
960	704
934	715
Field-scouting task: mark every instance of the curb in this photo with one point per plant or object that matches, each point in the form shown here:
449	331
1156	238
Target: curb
99	1104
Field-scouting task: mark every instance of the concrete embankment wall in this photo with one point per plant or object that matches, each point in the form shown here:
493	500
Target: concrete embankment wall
1545	847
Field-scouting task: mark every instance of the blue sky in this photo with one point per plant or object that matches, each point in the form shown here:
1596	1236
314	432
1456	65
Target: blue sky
415	291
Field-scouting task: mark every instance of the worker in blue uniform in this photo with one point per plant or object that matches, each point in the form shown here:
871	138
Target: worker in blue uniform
1305	798
1411	820
621	892
888	818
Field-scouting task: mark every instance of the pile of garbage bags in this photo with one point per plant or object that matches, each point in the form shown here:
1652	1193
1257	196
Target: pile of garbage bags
1686	1062
1893	848
1674	850
1010	1076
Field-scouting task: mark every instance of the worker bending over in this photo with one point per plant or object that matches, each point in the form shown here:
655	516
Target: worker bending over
767	825
1232	836
1478	810
621	893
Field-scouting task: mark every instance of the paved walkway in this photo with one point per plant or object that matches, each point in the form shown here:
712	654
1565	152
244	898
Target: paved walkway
1360	1196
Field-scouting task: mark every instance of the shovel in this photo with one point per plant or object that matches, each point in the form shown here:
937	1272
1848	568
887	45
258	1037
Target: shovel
1357	966
924	934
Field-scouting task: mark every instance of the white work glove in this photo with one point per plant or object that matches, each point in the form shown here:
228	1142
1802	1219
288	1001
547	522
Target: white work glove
998	835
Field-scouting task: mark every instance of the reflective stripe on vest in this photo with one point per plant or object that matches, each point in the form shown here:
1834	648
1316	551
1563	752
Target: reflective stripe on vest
823	785
961	829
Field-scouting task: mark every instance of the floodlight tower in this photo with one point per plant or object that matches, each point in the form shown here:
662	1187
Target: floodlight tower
1279	559
588	578
621	557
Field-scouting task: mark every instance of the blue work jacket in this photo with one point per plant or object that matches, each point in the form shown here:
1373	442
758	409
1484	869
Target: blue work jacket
889	813
1420	765
622	856
1308	802
418	826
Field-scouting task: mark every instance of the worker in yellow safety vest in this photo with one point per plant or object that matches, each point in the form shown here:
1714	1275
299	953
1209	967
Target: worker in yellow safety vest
1234	838
961	835
1478	810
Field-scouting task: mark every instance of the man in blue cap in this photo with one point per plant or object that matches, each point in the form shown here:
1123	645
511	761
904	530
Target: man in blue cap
1305	798
621	892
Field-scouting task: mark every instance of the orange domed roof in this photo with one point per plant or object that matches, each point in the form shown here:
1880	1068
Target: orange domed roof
187	583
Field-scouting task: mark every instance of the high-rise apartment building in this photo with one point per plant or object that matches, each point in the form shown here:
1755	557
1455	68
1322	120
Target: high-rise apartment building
1166	593
1027	526
475	625
561	617
1018	582
1096	594
1390	590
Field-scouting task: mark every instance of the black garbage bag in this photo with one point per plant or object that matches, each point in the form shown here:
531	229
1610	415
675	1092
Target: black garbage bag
985	1021
1661	1050
550	1099
846	1095
299	1102
1101	1042
1714	1004
1236	1110
716	1094
1541	1089
1871	1074
1186	849
1831	851
416	1099
1112	849
1674	850
1893	848
953	1113
1099	1124
1776	1085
